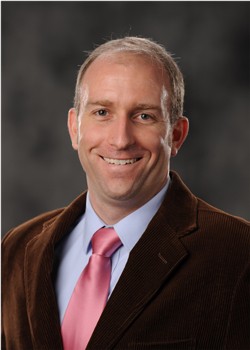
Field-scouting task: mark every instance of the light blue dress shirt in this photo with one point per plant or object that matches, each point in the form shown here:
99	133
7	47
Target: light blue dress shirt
74	251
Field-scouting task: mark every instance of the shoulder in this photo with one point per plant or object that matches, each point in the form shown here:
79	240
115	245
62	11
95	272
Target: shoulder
225	229
206	227
214	215
22	234
38	234
187	213
25	232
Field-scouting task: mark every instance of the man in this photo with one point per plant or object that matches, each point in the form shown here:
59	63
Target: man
179	273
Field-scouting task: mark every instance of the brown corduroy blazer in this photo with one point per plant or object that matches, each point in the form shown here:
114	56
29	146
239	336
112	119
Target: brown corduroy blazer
185	284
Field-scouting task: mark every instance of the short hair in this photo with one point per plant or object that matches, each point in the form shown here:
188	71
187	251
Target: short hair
147	48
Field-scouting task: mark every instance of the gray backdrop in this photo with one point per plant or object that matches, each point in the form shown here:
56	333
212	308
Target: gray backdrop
42	48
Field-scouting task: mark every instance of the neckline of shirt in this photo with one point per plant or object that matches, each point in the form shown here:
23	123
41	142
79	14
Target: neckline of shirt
130	228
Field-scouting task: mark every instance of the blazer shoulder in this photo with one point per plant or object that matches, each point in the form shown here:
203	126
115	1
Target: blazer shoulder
222	223
23	233
208	209
16	240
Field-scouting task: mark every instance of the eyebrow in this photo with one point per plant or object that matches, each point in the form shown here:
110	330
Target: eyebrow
100	103
140	106
146	106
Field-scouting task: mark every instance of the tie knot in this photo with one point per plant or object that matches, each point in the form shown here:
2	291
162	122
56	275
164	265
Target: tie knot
105	242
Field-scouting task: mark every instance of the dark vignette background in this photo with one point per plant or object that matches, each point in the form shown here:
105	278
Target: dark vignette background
42	48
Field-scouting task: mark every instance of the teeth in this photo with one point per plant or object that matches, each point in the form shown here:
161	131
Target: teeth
120	161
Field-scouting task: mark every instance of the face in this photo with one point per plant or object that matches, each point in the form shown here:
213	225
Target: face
122	133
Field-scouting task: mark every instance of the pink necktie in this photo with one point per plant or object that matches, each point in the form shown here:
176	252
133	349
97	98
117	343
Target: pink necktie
91	291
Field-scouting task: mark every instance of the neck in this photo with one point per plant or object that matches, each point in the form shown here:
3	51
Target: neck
111	210
111	213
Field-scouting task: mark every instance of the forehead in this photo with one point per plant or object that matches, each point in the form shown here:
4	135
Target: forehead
126	62
125	80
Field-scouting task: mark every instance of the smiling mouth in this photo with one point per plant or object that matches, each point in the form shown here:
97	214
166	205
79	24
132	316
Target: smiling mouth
120	161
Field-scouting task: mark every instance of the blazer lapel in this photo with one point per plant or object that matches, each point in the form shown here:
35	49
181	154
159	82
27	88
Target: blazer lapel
157	254
149	266
38	278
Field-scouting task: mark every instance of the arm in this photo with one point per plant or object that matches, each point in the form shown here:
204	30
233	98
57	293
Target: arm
238	330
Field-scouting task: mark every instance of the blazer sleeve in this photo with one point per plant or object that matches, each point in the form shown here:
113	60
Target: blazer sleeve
238	331
15	324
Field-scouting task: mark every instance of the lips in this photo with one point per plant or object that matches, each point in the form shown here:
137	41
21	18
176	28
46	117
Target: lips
120	161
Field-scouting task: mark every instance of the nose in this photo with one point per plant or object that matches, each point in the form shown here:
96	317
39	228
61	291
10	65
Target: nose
121	133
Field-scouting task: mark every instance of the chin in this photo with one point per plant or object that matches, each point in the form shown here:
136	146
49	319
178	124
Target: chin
121	194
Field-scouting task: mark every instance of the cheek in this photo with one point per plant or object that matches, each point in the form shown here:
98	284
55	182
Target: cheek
165	149
159	142
158	148
168	141
163	143
85	140
87	134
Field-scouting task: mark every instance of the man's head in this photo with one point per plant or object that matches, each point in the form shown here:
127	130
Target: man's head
127	123
147	48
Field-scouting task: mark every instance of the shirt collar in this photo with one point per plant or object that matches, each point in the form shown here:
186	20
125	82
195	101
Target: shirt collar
92	223
130	228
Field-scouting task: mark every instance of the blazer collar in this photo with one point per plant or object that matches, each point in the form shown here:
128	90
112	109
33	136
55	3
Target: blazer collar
180	207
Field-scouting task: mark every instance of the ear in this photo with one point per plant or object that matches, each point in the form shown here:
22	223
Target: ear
179	134
73	127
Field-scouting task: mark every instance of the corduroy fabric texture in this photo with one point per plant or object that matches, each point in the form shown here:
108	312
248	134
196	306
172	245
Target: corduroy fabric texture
185	286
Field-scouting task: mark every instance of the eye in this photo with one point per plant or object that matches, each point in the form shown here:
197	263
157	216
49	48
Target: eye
101	112
145	117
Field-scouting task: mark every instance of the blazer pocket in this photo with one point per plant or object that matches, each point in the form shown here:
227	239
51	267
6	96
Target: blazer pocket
187	344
